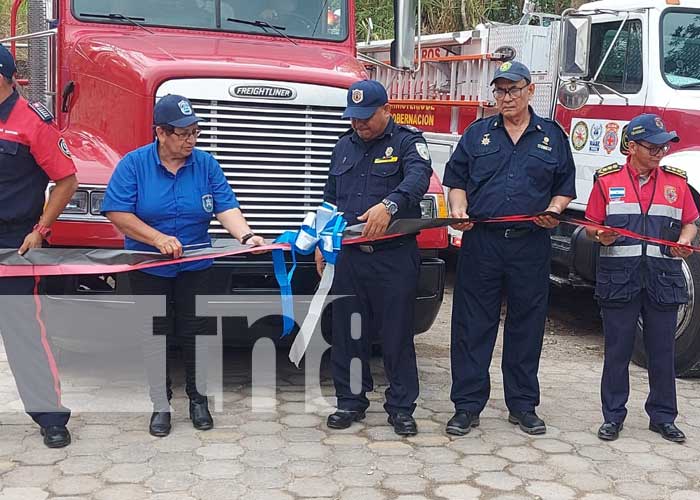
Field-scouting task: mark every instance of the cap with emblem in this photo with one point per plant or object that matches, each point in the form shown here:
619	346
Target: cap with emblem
7	63
364	98
650	128
513	71
174	110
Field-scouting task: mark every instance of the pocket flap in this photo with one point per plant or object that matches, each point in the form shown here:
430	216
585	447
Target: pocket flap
340	168
675	280
619	277
384	169
486	150
544	156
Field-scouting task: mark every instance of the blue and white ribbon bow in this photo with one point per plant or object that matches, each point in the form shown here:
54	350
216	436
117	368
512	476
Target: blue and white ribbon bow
322	229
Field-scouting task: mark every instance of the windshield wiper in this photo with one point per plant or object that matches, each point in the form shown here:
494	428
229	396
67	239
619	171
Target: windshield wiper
262	25
689	85
122	17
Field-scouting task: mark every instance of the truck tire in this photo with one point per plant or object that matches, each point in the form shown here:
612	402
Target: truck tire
688	329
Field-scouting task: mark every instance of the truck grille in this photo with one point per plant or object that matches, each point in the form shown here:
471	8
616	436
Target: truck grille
275	157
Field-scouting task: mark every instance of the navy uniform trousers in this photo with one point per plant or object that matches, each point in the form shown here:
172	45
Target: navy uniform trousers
382	288
491	265
619	328
26	344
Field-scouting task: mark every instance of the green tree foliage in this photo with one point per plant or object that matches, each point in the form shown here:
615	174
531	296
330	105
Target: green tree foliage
440	16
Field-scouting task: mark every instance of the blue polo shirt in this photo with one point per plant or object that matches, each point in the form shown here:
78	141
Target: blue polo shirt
180	205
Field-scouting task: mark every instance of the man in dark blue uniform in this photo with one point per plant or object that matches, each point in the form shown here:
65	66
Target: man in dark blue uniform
379	171
513	163
32	152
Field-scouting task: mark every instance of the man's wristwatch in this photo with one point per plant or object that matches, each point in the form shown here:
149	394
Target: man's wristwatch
44	231
246	237
391	207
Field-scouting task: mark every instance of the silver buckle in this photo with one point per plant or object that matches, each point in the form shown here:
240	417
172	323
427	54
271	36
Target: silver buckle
366	248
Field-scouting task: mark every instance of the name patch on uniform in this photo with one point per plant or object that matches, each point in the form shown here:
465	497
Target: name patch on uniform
64	148
544	147
616	194
391	159
208	203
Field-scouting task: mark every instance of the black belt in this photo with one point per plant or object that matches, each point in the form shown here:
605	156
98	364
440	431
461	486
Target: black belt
509	233
378	246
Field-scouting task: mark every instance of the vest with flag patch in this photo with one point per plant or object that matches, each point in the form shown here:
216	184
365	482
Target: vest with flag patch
629	265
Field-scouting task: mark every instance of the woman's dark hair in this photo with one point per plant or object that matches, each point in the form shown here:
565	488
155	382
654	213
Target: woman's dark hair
168	129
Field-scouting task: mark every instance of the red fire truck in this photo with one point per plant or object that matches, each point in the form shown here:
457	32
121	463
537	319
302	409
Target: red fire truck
269	79
606	62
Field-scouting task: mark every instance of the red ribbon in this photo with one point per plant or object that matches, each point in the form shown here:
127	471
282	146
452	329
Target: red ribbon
57	269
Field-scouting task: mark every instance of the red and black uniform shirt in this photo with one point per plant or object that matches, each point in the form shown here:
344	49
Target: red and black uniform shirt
32	152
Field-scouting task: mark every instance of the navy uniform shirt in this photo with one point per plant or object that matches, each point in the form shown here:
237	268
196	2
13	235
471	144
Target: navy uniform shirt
502	178
396	165
180	205
32	152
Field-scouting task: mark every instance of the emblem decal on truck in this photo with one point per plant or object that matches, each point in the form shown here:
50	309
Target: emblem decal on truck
579	136
611	138
262	92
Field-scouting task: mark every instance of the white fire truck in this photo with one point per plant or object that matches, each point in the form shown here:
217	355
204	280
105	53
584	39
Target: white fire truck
595	68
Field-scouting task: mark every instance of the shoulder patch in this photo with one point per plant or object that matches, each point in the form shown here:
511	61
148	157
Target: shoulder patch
607	170
41	110
675	171
549	120
411	128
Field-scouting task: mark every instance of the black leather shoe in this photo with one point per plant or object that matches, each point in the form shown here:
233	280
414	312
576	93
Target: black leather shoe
56	436
342	419
404	424
200	416
462	423
160	424
528	421
610	431
668	431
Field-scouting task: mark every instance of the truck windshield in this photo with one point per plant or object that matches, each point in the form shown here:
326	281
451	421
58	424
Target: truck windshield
313	19
680	31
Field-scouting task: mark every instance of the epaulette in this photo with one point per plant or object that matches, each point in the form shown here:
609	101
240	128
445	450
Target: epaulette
411	128
549	120
41	110
478	122
675	171
607	170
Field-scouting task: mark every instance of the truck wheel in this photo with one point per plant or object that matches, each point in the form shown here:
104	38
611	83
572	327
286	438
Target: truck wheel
688	326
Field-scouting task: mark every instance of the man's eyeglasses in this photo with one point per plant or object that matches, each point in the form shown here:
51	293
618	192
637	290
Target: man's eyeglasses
187	134
655	150
513	92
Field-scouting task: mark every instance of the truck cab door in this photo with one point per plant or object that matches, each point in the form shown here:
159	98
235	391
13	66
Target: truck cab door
596	130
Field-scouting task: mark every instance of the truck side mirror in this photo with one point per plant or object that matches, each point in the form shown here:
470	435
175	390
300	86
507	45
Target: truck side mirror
404	45
573	94
576	39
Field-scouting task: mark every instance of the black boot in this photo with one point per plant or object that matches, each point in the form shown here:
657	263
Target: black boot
160	423
200	416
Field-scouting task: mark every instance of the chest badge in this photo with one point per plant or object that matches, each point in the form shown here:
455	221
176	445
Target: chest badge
670	194
486	140
389	152
208	203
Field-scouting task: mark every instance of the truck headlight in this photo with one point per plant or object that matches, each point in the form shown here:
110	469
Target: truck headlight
96	199
78	204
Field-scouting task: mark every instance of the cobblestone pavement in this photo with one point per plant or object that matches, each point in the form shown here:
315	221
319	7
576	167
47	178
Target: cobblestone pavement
290	454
